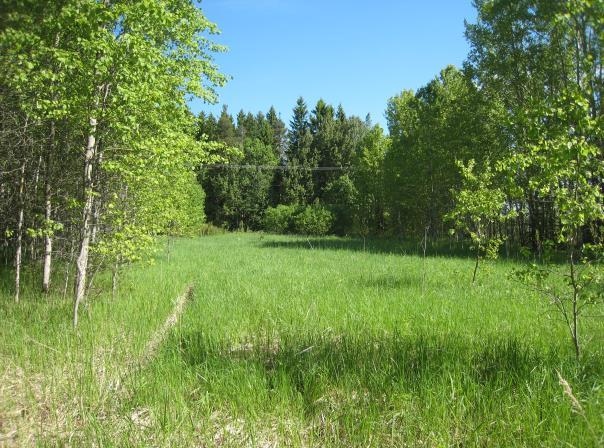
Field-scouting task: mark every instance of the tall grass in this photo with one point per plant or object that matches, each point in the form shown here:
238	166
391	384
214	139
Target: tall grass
288	342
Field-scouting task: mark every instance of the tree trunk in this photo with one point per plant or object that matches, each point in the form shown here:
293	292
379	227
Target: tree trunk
48	213
32	240
48	236
19	250
68	266
95	223
114	275
82	261
476	266
574	330
532	218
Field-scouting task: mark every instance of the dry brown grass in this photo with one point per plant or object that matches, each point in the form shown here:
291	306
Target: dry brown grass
47	407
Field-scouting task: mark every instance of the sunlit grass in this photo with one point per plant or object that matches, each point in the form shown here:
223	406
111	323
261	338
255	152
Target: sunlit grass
296	342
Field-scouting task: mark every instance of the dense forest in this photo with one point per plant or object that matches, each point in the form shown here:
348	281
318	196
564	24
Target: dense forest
404	182
355	176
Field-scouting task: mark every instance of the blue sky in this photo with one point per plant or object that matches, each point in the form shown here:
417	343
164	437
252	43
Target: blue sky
353	52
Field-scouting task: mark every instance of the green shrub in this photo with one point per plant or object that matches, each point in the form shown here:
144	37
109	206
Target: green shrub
280	219
313	220
305	220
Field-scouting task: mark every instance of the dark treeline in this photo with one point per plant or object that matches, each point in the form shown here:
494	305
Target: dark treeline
311	164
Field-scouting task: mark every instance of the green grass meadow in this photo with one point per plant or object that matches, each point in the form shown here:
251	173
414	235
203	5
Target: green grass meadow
300	343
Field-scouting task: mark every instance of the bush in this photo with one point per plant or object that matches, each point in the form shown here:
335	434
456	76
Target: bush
313	220
305	220
280	219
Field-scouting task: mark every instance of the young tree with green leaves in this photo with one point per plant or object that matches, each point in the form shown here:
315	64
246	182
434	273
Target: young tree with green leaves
447	120
543	62
370	213
568	158
479	206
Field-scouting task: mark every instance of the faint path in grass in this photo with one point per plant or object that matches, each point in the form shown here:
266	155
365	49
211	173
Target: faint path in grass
117	389
161	334
137	363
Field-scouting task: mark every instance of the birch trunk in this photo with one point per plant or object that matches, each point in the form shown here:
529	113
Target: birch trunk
68	266
82	261
19	250
32	241
47	198
114	275
48	213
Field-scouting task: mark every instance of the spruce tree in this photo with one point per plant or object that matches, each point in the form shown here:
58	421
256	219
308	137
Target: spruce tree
323	145
208	126
279	132
242	126
226	131
263	130
297	181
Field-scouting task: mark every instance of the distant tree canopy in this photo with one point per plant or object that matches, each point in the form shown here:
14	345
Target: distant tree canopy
526	108
311	162
371	182
445	121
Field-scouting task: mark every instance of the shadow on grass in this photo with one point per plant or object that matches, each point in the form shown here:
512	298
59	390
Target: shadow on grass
31	280
438	248
7	278
31	283
374	246
313	365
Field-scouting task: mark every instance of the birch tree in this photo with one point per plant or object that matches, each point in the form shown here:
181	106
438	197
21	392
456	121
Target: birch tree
103	86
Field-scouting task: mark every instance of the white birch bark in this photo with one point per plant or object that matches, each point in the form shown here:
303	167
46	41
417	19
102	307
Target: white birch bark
19	250
82	261
48	213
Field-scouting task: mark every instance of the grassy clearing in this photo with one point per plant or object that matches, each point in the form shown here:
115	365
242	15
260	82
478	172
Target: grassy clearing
287	345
